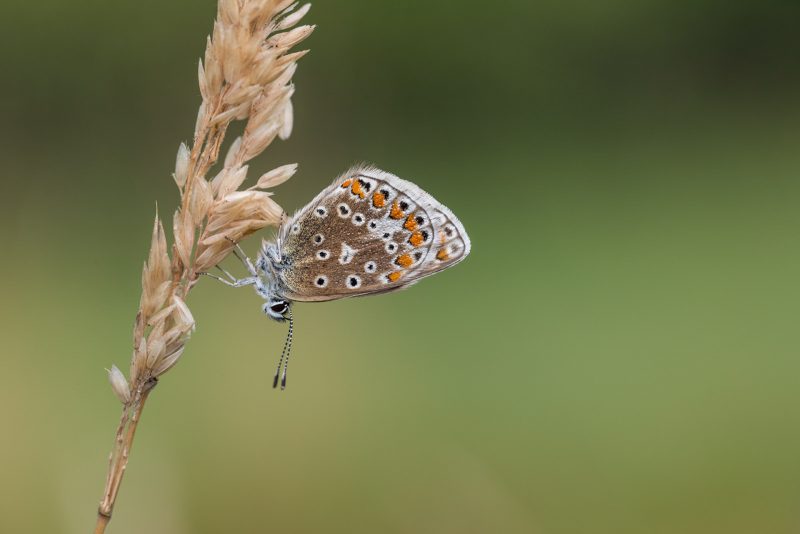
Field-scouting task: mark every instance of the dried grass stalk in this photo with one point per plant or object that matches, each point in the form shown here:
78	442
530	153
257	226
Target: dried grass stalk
246	75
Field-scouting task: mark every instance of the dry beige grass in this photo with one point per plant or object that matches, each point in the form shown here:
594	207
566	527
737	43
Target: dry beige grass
246	75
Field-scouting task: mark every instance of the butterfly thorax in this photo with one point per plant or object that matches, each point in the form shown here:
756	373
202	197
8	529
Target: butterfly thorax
268	285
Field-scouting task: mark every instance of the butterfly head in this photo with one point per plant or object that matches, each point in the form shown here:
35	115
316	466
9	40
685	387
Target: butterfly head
277	308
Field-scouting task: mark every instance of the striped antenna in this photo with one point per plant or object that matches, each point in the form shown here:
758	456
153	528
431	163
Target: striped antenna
284	361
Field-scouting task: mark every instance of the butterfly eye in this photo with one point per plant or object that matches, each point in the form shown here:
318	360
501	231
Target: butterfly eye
279	307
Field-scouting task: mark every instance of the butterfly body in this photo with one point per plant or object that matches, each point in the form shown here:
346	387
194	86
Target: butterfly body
369	232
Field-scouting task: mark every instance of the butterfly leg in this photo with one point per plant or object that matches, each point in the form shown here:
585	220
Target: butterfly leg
228	275
239	253
233	282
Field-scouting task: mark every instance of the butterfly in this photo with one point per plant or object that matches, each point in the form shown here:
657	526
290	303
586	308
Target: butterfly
369	232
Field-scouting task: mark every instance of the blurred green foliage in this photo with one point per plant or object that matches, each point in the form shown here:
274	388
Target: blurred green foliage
618	355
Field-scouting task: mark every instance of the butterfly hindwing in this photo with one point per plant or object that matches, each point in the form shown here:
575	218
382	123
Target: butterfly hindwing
369	232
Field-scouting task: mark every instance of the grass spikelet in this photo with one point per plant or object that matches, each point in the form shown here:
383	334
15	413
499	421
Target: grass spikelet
245	75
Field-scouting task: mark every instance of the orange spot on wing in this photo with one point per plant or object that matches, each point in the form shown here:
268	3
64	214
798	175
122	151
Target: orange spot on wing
396	212
378	200
395	276
357	189
404	260
410	224
442	255
347	184
442	238
416	239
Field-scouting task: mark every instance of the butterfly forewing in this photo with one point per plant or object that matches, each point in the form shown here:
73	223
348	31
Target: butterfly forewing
369	232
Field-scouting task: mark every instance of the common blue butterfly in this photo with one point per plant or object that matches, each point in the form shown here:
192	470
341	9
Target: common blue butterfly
369	232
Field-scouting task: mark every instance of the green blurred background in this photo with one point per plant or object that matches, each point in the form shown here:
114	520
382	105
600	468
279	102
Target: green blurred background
618	355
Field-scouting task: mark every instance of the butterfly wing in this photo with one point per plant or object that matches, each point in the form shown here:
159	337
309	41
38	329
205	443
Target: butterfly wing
369	232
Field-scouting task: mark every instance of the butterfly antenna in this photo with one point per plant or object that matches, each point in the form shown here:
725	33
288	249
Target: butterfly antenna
288	351
287	348
280	363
